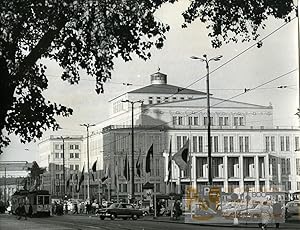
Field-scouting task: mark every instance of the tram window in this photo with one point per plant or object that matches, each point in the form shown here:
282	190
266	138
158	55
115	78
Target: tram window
46	199
40	200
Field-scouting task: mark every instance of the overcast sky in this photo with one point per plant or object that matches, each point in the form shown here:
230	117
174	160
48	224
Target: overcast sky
277	56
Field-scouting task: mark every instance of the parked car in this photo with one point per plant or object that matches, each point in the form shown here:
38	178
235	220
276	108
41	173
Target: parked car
120	210
292	208
252	212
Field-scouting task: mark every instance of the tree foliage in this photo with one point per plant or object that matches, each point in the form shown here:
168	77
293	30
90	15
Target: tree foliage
88	35
234	20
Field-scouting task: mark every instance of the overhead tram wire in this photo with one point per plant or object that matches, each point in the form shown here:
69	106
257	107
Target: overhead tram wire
225	100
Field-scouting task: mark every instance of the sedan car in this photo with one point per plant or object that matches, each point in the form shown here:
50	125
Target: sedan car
120	210
292	208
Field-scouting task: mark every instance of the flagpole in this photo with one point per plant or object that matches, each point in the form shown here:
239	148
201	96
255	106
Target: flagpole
154	173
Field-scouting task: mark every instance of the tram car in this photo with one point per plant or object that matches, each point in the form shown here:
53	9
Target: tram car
39	200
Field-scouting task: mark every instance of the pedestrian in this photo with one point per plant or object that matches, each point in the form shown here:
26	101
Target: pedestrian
266	214
277	213
22	212
177	210
75	209
30	211
18	211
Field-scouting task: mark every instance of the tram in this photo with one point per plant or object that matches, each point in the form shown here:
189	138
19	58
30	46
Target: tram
39	200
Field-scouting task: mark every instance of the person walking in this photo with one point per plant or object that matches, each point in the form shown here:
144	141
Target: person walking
266	215
22	212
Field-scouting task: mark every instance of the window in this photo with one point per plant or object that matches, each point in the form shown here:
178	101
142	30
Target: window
195	144
57	167
281	143
62	155
231	148
56	155
57	176
288	166
76	155
76	167
283	167
71	146
190	121
272	143
220	121
226	144
180	141
174	120
287	143
223	121
157	167
196	121
71	167
298	166
76	146
238	121
226	121
157	187
180	120
150	100
200	140
297	143
216	144
71	155
124	187
244	144
166	99
267	143
174	98
205	121
157	100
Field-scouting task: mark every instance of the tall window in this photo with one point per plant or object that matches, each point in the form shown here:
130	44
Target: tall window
200	140
226	144
76	146
157	100
298	166
56	155
220	121
231	148
281	143
174	120
238	121
71	167
195	143
283	167
150	100
244	144
272	143
288	166
157	167
196	121
287	143
223	121
241	144
284	143
76	155
206	121
71	155
216	144
267	144
180	120
297	143
71	146
190	120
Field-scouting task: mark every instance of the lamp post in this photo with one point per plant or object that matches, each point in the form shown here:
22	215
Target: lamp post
132	143
88	158
64	168
206	60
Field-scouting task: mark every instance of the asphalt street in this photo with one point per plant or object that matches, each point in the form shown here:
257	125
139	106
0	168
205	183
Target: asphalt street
9	222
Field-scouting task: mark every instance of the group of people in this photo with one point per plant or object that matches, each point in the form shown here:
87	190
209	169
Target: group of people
270	212
24	210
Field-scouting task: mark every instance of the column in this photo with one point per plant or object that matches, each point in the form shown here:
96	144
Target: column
194	178
241	164
225	163
256	171
267	172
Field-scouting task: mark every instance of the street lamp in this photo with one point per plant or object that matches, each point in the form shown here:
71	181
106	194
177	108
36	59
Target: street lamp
206	60
64	170
88	158
132	144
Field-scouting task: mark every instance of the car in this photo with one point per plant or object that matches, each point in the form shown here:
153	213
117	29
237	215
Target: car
252	212
292	208
234	212
120	210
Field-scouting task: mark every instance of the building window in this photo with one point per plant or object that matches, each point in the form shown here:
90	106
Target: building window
287	143
71	167
166	99
231	148
283	167
158	100
226	144
76	167
220	121
272	143
150	100
241	144
238	121
56	147
124	187
57	176
288	166
62	155
174	120
298	166
297	144
195	144
71	155
267	144
71	146
180	120
190	121
57	167
281	143
244	144
223	121
56	155
196	121
76	146
216	144
205	121
76	155
298	185
157	167
200	140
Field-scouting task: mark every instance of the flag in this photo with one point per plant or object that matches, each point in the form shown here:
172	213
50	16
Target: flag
126	169
93	177
80	180
106	174
149	154
94	166
116	174
68	183
170	163
138	165
182	156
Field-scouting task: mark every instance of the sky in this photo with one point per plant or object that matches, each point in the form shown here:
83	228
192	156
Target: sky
252	68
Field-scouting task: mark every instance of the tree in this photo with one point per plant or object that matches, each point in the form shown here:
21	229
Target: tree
234	20
88	35
77	34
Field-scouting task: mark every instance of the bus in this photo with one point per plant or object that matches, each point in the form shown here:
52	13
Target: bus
39	200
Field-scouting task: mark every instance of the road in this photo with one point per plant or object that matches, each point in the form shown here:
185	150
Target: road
9	222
